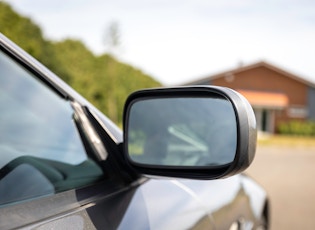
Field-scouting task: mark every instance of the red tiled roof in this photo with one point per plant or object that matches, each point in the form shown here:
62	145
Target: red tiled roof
252	66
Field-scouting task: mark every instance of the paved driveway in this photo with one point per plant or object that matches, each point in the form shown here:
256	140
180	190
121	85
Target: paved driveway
288	175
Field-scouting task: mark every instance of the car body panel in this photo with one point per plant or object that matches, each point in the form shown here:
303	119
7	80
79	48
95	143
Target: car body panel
151	204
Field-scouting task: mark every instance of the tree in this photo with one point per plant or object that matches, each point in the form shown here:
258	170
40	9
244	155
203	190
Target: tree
112	38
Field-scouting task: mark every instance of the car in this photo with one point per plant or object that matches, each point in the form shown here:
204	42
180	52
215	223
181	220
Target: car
177	164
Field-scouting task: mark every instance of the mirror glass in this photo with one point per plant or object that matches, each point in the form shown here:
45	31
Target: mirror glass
182	132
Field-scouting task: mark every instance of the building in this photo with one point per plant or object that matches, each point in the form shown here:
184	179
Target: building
275	94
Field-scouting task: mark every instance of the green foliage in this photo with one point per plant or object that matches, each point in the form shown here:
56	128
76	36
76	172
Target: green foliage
297	128
103	80
26	34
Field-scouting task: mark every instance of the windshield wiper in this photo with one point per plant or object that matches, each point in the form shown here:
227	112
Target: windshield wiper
88	131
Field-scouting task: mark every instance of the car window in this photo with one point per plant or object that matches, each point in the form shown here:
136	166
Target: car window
41	152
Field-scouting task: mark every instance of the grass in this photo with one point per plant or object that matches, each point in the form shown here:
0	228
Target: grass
282	140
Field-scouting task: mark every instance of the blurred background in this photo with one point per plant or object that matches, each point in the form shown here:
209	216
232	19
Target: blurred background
263	49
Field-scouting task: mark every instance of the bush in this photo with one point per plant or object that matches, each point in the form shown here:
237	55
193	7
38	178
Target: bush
297	128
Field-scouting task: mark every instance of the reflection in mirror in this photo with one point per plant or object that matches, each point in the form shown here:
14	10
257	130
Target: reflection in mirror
182	132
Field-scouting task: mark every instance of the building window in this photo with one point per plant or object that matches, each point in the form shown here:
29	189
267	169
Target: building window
297	111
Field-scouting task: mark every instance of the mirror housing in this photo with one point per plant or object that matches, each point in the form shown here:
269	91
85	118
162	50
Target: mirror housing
188	126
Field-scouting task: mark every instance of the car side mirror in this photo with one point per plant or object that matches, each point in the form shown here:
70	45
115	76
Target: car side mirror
201	132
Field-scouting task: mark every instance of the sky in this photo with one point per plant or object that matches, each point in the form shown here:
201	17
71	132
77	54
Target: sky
179	41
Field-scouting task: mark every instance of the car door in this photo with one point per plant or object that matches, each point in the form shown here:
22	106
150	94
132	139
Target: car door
50	178
53	177
49	174
46	168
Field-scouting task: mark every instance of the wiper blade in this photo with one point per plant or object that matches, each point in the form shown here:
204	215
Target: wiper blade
88	131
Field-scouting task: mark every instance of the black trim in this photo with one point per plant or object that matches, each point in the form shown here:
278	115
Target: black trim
31	65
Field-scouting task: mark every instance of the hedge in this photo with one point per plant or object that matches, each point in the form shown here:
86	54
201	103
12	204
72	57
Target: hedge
297	128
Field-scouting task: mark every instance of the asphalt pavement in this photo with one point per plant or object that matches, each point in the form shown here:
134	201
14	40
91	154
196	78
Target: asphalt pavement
288	175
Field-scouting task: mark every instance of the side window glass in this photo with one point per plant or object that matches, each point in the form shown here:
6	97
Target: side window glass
41	152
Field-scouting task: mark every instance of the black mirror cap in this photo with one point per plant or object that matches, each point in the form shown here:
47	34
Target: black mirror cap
246	133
